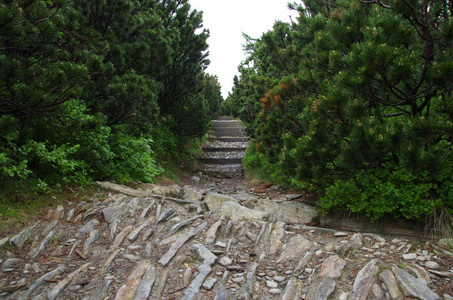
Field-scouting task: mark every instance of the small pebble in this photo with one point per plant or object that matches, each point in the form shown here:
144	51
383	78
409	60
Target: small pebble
410	256
340	234
432	265
275	291
271	284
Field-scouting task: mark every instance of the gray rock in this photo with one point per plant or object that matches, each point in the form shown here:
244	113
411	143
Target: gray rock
121	189
246	199
4	240
409	256
35	252
420	272
166	215
133	206
148	249
113	228
325	289
192	194
275	291
180	225
132	257
132	282
187	276
303	262
101	292
271	284
279	279
225	261
247	291
113	213
204	253
19	239
364	280
378	293
134	233
413	287
203	271
289	212
11	263
340	234
356	241
222	294
209	283
211	234
50	227
154	189
179	243
332	267
93	237
214	201
40	280
61	285
239	213
293	289
295	247
89	226
146	210
276	237
389	280
146	283
432	265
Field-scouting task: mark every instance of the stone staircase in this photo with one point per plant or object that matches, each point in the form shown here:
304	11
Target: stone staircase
226	146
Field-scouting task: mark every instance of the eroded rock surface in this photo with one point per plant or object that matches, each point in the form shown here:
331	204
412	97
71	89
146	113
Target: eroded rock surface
166	243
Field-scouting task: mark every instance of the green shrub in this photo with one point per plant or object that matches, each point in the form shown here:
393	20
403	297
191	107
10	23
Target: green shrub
398	192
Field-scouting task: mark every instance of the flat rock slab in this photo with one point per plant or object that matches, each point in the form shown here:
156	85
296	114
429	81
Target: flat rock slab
121	189
239	213
289	212
332	267
296	246
365	280
413	287
325	289
214	201
179	243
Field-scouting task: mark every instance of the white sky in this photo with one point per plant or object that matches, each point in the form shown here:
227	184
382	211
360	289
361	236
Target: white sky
226	21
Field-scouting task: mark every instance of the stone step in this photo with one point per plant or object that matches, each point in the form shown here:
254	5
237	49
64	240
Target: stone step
226	149
227	130
221	161
227	124
221	134
228	139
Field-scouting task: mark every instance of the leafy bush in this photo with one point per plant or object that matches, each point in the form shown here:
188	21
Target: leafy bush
383	192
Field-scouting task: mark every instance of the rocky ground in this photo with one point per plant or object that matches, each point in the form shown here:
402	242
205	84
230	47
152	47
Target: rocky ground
210	238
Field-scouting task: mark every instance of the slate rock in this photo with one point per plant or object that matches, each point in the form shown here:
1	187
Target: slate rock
214	201
413	287
332	267
294	248
289	212
432	265
364	280
325	289
389	280
225	261
239	213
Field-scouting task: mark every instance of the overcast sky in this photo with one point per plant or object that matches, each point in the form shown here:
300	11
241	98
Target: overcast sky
226	20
